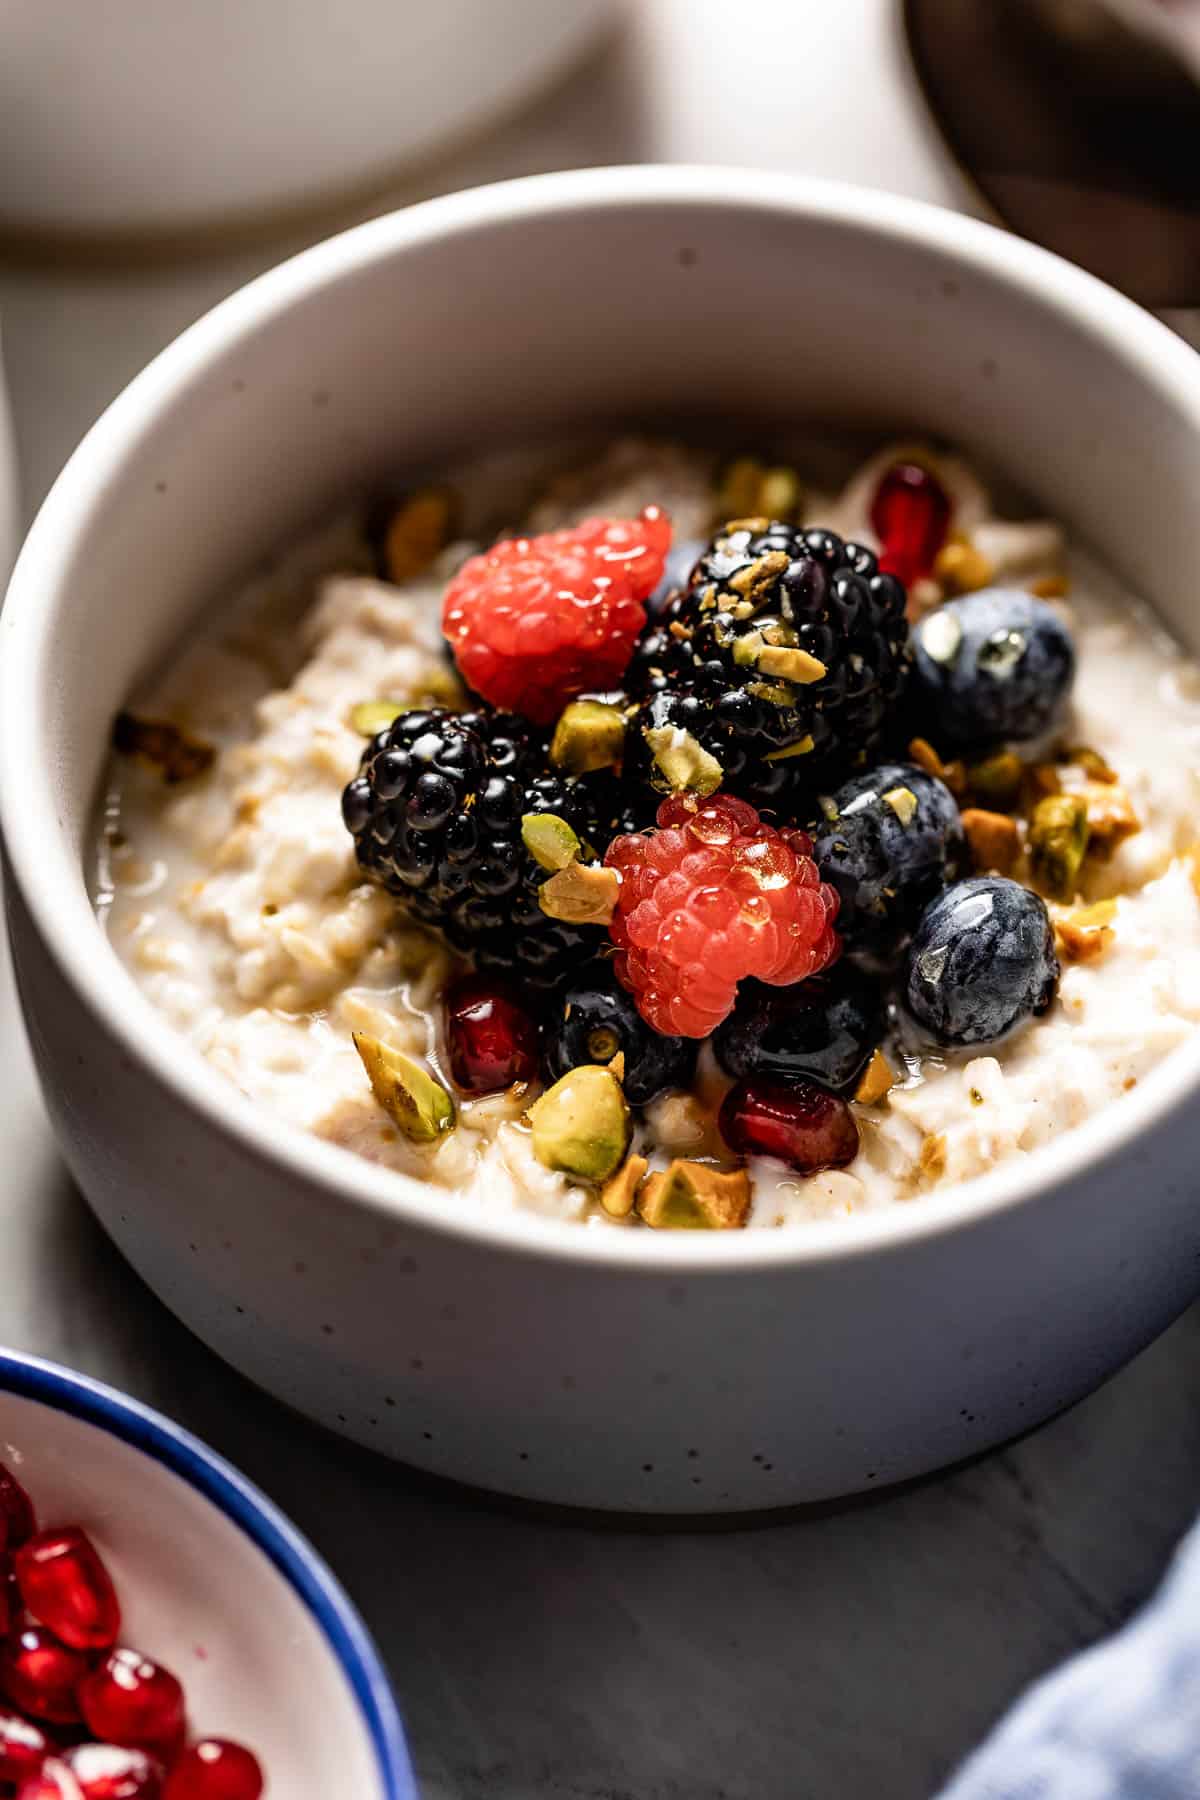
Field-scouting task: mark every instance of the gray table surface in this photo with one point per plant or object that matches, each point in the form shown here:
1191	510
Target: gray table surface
854	1652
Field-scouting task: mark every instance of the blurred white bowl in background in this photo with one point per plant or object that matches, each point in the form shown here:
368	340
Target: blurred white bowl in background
126	117
9	510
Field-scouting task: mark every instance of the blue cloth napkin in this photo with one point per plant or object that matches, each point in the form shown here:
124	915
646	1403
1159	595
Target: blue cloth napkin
1119	1722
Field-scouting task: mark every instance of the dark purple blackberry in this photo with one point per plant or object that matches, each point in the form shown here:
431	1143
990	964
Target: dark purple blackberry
787	651
435	812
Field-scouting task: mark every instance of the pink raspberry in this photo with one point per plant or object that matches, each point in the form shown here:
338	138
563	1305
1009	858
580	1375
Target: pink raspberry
713	895
535	621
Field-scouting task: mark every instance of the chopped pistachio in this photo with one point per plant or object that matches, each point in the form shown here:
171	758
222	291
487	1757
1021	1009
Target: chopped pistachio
417	1104
163	746
771	692
752	494
903	803
589	735
549	840
372	716
416	531
1040	779
1058	841
802	747
691	1196
791	665
684	764
879	1078
1050	587
1085	932
756	580
922	752
996	781
780	494
1094	766
1110	816
993	839
581	1124
962	569
581	894
748	648
620	1190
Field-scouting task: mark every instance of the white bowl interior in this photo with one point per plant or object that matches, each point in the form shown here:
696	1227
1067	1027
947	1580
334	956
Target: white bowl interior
199	1595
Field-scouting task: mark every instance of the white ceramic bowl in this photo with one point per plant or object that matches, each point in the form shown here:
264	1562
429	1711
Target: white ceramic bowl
628	1370
213	1582
167	118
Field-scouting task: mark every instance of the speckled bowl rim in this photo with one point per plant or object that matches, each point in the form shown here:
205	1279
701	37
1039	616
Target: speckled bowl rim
259	1519
52	882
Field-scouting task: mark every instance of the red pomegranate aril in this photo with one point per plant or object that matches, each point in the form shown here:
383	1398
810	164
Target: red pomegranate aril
128	1699
19	1519
491	1039
54	1781
24	1747
798	1122
64	1584
215	1769
910	515
114	1772
40	1675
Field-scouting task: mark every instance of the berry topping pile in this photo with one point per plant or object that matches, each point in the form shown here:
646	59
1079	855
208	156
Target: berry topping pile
82	1716
713	882
535	621
714	894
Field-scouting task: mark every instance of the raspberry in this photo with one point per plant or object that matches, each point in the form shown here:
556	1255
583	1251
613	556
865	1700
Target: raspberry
711	896
535	621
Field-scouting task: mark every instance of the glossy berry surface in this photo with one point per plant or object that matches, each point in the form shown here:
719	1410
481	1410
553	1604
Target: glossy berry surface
215	1769
128	1699
821	1030
40	1675
681	560
535	621
888	841
992	667
712	895
798	1122
17	1520
981	963
66	1586
435	812
491	1040
114	1772
54	1781
593	1019
788	639
910	515
23	1747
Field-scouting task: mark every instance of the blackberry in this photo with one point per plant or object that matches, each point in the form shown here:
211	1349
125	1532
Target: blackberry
794	648
888	841
981	963
435	812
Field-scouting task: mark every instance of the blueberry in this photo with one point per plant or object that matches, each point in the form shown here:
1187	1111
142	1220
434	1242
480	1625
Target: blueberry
982	962
823	1029
991	667
681	560
592	1019
890	840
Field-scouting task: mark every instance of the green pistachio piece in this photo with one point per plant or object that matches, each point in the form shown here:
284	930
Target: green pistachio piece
996	781
416	1104
692	1196
371	716
581	1124
549	840
589	735
581	894
685	766
903	803
1058	841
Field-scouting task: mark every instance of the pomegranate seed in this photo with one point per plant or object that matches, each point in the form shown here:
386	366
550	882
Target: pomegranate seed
492	1040
17	1509
53	1781
64	1584
40	1675
130	1700
23	1747
910	515
114	1772
215	1769
797	1121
